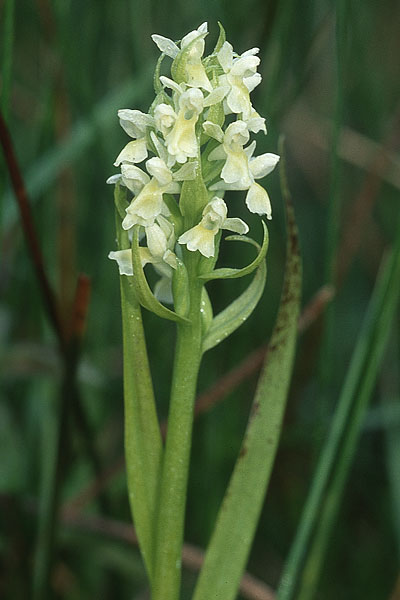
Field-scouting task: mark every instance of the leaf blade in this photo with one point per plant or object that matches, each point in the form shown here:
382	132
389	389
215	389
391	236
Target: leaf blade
230	544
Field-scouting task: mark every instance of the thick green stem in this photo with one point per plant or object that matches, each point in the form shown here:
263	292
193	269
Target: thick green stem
170	523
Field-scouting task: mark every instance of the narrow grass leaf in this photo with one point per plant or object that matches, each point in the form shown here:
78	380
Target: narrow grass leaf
358	388
237	520
323	501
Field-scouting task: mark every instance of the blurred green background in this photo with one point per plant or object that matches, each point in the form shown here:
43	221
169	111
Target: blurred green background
331	83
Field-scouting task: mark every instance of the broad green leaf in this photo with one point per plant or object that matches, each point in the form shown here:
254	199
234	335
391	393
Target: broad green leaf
227	273
142	288
228	320
143	445
238	516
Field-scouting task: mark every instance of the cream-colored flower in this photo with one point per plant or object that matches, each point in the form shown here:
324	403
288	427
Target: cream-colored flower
148	203
240	78
181	141
195	72
135	123
201	237
159	252
241	169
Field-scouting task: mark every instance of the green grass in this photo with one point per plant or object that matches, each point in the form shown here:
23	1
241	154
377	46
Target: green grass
66	67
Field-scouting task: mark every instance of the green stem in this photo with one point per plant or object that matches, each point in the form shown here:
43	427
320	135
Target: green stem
166	584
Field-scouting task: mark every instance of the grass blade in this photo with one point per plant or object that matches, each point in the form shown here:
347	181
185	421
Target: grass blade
327	488
231	541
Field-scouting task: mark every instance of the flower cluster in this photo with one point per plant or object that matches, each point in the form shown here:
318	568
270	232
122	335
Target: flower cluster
197	128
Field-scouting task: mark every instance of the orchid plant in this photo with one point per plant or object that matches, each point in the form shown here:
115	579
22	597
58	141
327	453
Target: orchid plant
195	143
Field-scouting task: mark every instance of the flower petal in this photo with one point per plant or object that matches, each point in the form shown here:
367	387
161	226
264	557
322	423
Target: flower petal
114	179
213	130
158	169
156	240
217	95
124	260
134	122
258	201
236	224
165	45
199	238
133	177
261	165
225	56
134	152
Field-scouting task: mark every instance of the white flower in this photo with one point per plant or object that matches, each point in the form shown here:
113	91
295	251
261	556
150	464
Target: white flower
135	123
161	240
165	117
148	203
201	237
195	72
133	178
240	78
241	169
181	141
170	48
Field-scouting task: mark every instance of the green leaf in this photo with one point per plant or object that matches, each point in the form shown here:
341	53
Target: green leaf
227	273
322	505
238	516
142	289
143	445
228	320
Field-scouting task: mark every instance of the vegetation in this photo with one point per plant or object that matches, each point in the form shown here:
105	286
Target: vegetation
330	525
